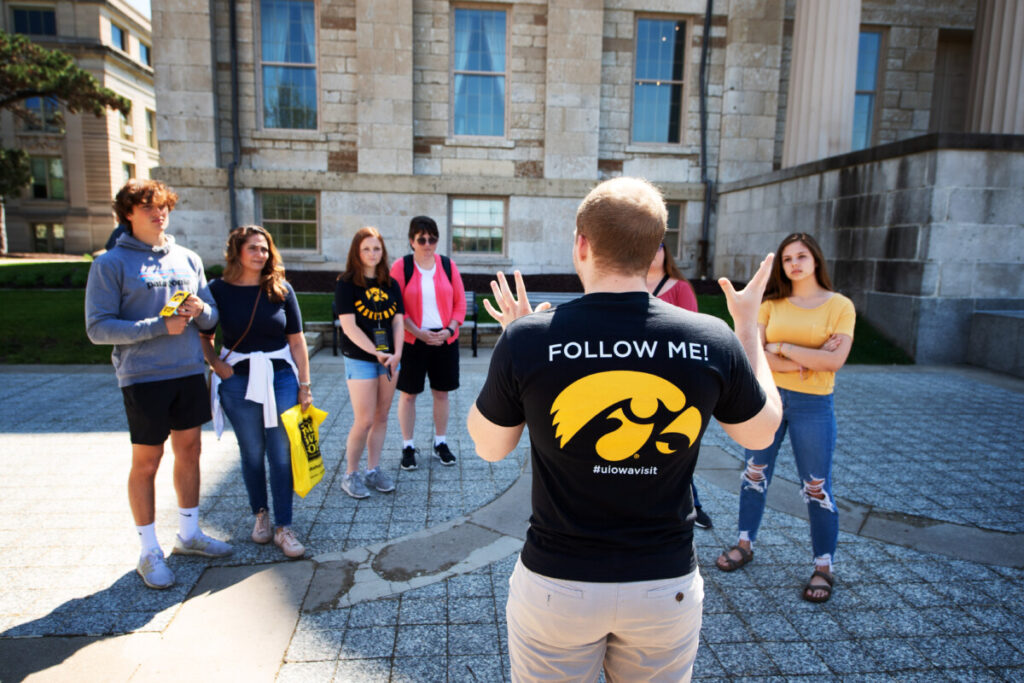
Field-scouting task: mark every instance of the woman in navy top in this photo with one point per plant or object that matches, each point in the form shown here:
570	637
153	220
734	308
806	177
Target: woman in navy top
263	346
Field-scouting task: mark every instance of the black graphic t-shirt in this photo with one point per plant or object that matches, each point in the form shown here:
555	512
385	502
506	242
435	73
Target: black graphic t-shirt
617	390
374	308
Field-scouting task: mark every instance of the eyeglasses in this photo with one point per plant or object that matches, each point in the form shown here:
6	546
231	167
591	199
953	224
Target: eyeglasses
661	246
421	240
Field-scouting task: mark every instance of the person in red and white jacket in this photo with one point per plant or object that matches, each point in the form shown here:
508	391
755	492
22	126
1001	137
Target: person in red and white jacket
435	307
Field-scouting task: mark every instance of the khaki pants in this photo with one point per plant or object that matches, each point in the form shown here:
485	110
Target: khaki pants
565	630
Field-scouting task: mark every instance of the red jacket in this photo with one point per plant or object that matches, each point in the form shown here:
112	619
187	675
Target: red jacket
451	296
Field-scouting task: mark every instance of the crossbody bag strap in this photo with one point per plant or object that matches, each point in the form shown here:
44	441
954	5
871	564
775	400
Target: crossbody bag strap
660	285
255	305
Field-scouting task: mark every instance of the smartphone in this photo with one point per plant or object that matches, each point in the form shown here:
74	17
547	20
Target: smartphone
177	299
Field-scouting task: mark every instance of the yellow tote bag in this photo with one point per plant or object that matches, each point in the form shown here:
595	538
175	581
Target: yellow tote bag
303	430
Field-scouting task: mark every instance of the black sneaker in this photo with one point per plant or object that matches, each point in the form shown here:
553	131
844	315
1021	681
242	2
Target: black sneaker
444	454
408	458
703	521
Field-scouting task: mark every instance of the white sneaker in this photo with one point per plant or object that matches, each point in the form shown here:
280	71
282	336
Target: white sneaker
201	544
284	538
154	571
261	531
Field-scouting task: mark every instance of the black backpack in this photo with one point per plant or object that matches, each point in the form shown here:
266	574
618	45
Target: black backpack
407	263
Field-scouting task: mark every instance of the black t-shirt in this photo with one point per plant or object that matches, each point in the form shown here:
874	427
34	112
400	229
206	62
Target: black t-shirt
374	308
617	390
272	322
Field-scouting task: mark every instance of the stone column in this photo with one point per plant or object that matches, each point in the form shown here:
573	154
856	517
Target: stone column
186	125
822	83
996	97
573	107
384	85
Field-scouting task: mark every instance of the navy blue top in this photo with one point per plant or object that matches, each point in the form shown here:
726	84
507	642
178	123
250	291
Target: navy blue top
274	320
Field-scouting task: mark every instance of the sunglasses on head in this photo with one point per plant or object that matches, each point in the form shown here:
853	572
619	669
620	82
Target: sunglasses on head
421	240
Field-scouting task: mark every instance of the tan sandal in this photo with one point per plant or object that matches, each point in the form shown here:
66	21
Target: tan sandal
732	565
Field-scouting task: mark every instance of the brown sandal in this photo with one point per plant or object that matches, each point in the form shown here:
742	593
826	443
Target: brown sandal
809	587
745	557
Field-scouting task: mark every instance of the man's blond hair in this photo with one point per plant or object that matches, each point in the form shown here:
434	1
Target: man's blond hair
624	221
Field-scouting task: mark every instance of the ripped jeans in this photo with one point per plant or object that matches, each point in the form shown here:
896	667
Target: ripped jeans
811	421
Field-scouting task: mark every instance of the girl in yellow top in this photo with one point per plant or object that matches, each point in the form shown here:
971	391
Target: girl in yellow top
807	332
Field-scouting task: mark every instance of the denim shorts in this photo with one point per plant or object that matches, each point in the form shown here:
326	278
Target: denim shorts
364	369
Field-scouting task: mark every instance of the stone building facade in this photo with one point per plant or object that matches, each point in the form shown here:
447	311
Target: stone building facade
80	163
316	117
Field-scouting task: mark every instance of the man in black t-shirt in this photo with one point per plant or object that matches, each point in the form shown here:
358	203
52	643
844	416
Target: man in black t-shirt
617	388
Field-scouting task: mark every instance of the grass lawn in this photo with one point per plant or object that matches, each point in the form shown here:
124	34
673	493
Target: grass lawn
49	326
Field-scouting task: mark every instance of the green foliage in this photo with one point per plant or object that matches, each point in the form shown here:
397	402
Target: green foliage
315	306
214	271
29	70
54	274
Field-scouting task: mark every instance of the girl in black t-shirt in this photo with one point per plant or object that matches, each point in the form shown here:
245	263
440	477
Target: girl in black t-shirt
369	305
262	333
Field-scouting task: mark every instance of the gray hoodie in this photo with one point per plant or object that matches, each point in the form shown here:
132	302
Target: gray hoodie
127	287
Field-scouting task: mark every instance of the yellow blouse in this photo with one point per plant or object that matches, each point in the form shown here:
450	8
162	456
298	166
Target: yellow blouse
810	327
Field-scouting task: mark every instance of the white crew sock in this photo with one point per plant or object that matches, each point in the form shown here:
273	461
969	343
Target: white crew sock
407	443
188	523
438	439
147	537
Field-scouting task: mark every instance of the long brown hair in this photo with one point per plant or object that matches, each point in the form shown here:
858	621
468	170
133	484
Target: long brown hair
354	265
779	284
671	269
272	275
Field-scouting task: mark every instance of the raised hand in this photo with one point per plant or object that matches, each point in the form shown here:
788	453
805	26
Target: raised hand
744	304
509	307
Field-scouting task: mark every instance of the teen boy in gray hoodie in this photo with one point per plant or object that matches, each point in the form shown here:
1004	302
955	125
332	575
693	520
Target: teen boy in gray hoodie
159	363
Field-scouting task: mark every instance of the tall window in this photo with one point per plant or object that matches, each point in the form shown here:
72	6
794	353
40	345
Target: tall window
44	111
674	230
290	218
127	171
151	128
144	55
658	82
35	22
478	226
478	72
127	132
288	53
47	178
49	237
868	58
119	37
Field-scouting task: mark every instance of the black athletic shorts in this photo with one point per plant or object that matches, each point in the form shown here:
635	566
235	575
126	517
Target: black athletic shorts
439	363
155	408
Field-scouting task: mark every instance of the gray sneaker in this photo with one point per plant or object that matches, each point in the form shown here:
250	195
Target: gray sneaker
154	571
379	479
353	485
201	545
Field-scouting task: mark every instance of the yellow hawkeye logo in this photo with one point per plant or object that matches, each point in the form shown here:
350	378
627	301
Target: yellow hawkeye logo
645	406
377	296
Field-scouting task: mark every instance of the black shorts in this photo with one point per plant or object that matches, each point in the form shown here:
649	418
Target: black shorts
440	363
155	408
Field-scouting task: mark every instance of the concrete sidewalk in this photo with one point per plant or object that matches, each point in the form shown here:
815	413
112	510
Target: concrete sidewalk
412	585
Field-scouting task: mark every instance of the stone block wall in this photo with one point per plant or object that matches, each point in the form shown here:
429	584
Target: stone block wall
919	234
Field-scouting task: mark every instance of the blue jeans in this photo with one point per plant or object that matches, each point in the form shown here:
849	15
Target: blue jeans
254	440
811	421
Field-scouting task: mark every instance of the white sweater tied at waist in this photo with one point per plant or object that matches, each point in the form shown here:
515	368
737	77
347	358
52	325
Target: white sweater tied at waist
261	383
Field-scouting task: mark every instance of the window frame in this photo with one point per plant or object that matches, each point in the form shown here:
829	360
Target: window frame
129	170
483	255
145	54
261	220
51	238
875	118
679	229
34	8
125	41
49	179
44	127
688	24
506	74
151	139
125	124
258	65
